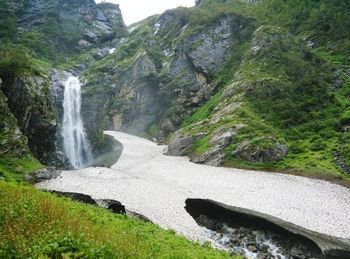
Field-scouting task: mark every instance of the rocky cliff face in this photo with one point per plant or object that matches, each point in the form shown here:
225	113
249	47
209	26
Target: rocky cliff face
53	29
29	100
227	85
150	84
56	28
12	142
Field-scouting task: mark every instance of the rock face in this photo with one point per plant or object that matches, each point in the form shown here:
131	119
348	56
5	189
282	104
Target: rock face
273	151
77	197
29	100
80	20
180	146
150	85
215	156
12	142
42	175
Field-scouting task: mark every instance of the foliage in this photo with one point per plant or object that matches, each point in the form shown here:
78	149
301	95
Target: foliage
13	169
40	225
14	60
8	26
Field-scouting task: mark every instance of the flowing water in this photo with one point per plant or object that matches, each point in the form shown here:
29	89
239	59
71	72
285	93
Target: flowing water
75	143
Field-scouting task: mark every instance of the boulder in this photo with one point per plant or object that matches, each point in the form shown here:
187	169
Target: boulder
213	157
77	197
180	146
114	206
222	137
269	151
42	175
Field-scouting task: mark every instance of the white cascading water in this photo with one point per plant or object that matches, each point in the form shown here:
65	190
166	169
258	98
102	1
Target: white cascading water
75	143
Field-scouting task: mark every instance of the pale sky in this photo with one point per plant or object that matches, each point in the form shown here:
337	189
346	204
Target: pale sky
137	10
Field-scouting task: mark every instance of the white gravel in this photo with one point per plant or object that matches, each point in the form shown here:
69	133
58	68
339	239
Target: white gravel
156	186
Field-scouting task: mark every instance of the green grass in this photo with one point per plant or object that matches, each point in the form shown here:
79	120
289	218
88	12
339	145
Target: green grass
34	224
284	93
13	169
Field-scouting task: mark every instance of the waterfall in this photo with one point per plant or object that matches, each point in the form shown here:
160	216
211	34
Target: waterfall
75	143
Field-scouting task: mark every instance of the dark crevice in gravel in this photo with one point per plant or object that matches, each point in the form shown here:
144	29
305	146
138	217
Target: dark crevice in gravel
249	235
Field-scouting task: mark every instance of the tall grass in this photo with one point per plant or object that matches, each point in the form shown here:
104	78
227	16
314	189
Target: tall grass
34	224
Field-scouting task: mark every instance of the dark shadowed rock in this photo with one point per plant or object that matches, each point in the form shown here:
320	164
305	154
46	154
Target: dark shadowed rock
77	197
180	146
136	215
113	205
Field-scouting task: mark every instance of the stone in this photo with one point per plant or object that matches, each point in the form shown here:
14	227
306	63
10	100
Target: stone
222	137
42	175
113	205
180	146
252	248
296	252
255	153
77	197
213	157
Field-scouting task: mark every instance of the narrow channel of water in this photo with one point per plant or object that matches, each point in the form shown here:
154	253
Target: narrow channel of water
250	236
75	143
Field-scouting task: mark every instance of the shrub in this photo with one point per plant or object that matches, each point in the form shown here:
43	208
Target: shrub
318	145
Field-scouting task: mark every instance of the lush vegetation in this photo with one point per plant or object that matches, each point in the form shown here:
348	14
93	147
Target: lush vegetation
290	92
13	169
34	224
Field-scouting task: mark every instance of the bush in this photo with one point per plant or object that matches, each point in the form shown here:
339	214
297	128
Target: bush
318	145
345	118
13	61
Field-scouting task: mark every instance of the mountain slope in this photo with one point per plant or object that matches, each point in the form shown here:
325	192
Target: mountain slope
255	84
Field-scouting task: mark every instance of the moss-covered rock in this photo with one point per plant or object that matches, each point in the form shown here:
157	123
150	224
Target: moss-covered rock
29	100
12	142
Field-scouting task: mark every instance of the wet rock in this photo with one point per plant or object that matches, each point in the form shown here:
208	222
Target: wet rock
252	248
180	146
42	175
296	252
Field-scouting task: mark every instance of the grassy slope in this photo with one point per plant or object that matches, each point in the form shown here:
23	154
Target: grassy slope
315	116
37	224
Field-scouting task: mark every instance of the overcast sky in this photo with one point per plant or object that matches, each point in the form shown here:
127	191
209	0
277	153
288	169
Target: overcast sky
136	10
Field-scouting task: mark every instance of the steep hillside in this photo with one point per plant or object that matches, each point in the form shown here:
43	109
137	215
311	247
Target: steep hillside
252	84
255	84
34	37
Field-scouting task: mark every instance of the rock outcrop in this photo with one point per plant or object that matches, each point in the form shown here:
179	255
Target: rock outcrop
29	100
78	22
12	141
180	146
42	175
149	85
269	151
